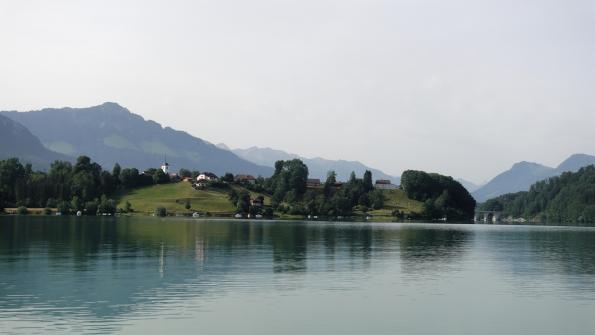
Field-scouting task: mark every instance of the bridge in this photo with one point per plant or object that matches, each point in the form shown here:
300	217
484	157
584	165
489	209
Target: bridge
487	216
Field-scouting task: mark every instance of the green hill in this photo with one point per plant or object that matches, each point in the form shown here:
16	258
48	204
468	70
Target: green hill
398	200
173	197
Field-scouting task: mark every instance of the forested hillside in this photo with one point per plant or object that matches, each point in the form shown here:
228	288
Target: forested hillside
569	197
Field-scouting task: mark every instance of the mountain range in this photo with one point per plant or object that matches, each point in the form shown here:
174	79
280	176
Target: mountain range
109	133
522	175
317	167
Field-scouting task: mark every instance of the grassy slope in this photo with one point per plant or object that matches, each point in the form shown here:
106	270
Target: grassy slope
173	197
397	199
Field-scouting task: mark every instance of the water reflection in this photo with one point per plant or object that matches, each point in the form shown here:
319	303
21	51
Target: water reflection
289	246
535	256
114	263
433	249
105	272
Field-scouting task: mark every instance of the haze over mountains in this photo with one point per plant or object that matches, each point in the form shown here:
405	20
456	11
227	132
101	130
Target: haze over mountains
109	133
317	167
522	175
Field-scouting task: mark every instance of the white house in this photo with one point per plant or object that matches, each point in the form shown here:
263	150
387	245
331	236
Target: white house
205	176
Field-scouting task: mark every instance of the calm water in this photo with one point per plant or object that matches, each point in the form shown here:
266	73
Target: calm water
153	276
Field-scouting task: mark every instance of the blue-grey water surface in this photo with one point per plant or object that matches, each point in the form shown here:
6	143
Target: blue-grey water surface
168	276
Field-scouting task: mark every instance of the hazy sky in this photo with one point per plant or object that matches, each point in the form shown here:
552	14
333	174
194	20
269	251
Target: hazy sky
464	88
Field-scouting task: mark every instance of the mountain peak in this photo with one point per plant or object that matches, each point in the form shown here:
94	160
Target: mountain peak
113	107
526	165
222	146
575	162
523	174
111	103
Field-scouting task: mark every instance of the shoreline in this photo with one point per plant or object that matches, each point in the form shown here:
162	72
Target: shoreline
321	220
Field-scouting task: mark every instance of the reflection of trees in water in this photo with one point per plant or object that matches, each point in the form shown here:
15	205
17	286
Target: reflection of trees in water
292	242
101	268
360	241
289	246
432	249
128	264
532	252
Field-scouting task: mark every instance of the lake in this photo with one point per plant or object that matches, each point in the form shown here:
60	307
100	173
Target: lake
152	276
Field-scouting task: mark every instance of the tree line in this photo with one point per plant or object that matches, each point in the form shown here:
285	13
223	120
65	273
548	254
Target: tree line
290	193
83	186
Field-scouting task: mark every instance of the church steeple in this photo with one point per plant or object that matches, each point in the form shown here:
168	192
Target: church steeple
165	166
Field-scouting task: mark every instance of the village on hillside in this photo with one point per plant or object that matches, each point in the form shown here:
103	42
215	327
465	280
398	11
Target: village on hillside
205	180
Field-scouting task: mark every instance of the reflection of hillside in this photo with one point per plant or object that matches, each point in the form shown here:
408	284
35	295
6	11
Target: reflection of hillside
101	268
97	268
101	273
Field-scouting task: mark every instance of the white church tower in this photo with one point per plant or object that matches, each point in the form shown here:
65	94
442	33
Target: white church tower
165	166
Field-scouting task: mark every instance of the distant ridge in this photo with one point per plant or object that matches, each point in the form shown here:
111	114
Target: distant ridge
522	175
318	167
16	141
575	162
109	133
